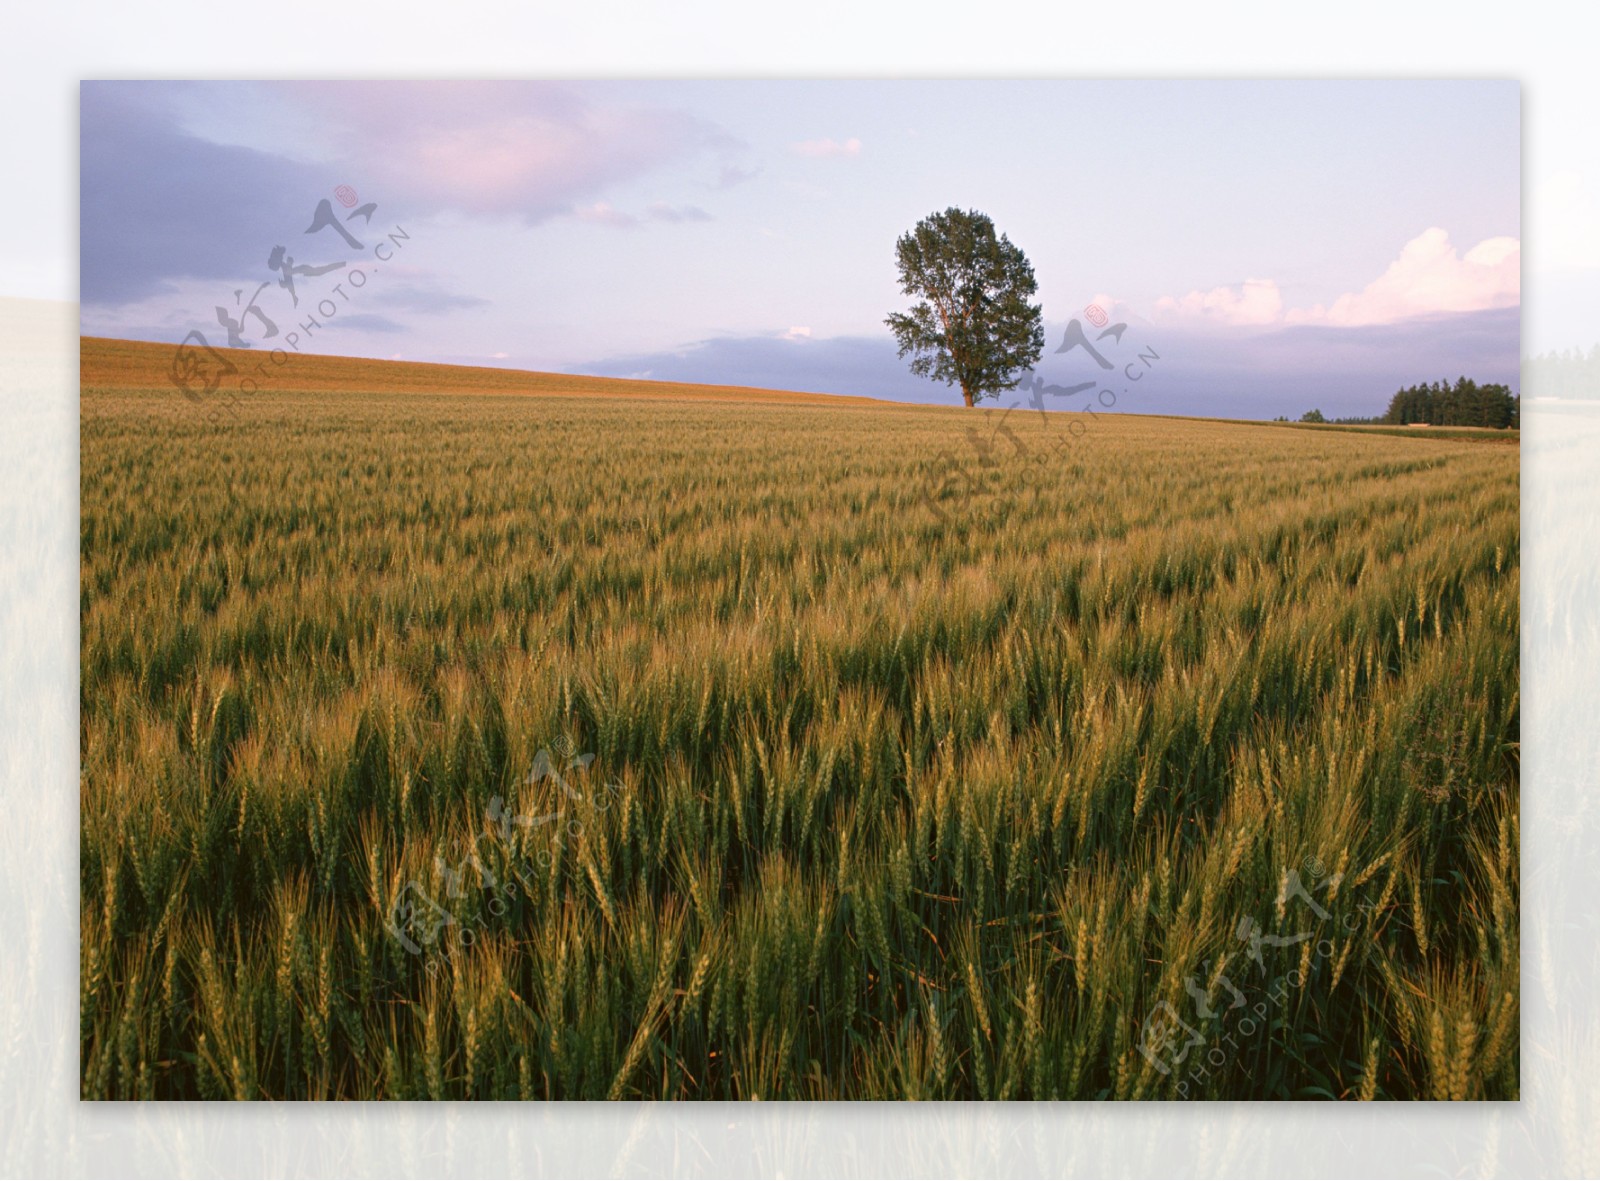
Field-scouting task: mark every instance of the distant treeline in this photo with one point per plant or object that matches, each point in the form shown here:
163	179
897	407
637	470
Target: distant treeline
1465	403
1569	374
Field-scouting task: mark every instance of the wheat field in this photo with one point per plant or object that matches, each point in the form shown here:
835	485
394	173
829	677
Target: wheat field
449	734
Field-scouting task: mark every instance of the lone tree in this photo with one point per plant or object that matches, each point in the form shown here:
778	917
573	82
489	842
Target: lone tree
973	326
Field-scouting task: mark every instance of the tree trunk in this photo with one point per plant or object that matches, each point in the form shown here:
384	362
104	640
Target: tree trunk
967	394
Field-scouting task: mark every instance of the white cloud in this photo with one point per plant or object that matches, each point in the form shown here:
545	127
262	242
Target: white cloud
797	334
601	213
1429	277
1256	301
826	147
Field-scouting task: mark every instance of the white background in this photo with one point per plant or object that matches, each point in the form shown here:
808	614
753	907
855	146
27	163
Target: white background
45	1131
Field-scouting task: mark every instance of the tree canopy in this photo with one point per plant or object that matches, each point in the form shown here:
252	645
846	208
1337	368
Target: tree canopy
972	325
1465	403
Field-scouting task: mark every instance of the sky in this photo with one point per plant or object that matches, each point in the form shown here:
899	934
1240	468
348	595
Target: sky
1277	246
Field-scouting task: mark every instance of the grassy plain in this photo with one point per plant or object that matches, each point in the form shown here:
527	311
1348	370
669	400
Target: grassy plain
461	734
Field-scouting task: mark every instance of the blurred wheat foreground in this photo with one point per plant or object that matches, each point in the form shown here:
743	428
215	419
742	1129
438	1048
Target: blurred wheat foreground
468	734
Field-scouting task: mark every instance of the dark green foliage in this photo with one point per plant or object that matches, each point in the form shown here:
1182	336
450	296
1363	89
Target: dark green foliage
973	325
1466	403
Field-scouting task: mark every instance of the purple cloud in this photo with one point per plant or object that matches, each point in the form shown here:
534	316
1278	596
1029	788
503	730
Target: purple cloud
530	150
1346	372
157	204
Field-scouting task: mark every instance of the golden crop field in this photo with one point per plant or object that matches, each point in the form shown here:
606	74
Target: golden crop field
464	734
